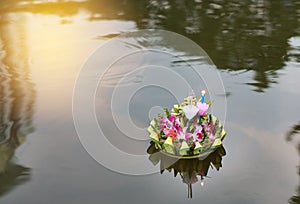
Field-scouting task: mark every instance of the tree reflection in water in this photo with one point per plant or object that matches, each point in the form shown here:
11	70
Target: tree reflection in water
188	169
17	96
237	35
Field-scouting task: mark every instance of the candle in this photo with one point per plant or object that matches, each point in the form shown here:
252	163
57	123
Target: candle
202	96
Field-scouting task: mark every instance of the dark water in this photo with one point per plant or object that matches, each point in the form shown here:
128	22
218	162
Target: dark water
254	44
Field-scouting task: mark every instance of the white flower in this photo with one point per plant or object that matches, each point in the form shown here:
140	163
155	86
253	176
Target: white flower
190	111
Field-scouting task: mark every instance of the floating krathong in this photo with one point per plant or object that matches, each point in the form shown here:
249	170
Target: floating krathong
188	130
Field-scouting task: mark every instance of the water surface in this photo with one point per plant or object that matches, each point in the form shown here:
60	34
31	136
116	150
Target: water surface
254	44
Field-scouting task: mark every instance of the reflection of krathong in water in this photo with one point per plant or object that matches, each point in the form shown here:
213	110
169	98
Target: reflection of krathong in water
188	140
190	169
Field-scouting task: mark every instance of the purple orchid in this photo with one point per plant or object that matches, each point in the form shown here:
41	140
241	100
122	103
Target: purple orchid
212	137
188	136
177	125
183	135
209	129
198	134
165	123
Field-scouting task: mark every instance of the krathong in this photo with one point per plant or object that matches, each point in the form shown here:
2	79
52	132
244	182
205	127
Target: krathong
188	130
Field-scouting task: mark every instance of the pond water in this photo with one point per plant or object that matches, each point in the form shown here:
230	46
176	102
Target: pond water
255	46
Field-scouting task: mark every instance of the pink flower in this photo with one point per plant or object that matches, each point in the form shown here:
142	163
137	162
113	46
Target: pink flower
199	134
165	123
183	135
177	125
212	137
171	118
170	132
208	128
203	107
188	136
